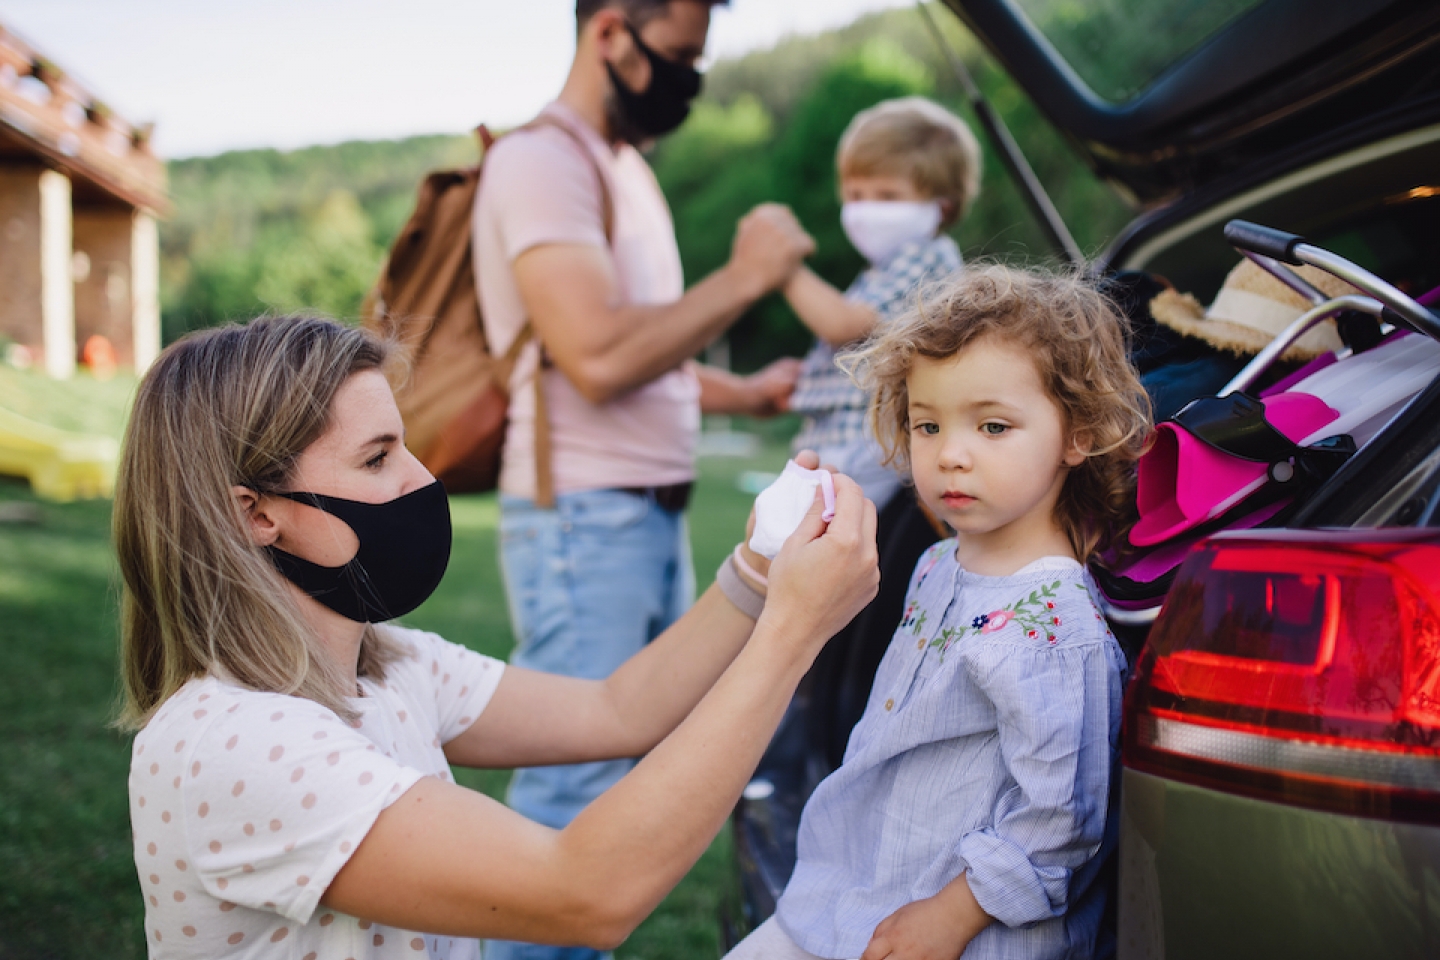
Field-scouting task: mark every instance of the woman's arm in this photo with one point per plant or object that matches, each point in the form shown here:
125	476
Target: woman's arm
448	860
825	310
536	718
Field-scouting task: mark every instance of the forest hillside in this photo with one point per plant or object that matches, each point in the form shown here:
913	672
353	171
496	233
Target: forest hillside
262	230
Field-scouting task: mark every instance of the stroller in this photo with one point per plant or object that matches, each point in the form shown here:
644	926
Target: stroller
1250	457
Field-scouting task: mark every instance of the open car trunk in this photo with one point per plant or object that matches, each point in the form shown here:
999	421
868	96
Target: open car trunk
1164	97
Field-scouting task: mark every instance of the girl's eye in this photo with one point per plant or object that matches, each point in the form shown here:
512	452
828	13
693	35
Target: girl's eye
374	462
928	429
994	429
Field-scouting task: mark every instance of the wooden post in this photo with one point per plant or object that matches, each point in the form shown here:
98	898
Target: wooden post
57	284
145	289
37	297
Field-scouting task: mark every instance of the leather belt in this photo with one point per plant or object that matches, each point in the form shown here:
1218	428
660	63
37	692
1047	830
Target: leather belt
674	497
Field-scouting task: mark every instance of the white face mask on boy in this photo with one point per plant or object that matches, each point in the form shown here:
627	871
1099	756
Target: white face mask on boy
879	228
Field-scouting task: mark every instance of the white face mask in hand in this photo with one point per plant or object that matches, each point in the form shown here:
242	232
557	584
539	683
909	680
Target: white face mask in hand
781	506
879	228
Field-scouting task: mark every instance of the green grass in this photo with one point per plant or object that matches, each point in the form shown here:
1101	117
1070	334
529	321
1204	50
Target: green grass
81	404
67	879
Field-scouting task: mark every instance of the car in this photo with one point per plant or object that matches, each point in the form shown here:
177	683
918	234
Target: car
1280	784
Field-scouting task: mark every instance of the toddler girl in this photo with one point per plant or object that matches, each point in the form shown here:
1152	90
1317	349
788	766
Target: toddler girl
973	808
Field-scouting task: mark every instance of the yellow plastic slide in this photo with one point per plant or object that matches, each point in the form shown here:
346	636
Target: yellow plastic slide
59	465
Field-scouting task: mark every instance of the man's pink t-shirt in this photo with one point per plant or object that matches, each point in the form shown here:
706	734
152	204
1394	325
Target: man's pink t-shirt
537	189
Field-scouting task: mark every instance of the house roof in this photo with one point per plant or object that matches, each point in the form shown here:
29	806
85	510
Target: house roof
49	117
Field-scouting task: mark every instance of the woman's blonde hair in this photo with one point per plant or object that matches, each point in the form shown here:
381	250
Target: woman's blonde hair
919	140
232	406
1078	341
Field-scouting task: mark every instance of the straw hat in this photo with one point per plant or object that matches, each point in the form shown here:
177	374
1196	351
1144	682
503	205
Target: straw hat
1251	309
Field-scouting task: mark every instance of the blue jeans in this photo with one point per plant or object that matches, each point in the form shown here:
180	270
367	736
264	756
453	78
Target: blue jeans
589	583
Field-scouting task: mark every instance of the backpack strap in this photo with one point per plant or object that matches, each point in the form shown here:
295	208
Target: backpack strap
544	450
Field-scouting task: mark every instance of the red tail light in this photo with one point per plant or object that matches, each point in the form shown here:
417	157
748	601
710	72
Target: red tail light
1301	667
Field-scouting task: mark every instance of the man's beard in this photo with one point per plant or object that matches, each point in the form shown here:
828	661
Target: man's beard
621	127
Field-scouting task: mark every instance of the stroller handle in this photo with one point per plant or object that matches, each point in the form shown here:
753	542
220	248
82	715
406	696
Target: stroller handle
1292	249
1266	241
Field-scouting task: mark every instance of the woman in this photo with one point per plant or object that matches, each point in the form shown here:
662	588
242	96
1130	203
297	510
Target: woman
290	782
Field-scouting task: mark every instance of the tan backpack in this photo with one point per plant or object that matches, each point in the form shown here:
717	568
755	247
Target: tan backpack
453	393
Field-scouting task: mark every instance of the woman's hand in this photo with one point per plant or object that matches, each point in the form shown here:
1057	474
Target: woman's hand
808	459
825	574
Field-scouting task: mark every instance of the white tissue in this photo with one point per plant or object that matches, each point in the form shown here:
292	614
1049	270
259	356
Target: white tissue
781	506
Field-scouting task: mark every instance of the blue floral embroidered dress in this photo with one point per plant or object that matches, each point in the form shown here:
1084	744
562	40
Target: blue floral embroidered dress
987	747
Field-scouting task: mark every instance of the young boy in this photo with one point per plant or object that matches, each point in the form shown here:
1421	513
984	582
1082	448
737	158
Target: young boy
908	170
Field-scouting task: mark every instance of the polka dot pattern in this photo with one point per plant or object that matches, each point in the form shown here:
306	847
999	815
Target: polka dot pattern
273	794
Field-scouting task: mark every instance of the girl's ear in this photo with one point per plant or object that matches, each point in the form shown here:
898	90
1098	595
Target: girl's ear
1078	450
258	523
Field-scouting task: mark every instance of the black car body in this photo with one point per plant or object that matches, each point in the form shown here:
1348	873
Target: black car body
1261	817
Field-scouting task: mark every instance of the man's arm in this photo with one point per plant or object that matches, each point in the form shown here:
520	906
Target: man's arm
606	347
761	394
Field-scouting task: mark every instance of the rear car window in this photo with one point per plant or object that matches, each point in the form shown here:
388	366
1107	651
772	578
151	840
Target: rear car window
1119	46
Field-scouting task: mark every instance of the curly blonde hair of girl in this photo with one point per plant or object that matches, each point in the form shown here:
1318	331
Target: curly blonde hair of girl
227	407
1078	341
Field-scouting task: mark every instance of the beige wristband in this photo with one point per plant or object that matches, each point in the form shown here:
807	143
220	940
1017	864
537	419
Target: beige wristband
746	598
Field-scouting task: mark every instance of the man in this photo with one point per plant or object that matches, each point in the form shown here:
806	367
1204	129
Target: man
573	235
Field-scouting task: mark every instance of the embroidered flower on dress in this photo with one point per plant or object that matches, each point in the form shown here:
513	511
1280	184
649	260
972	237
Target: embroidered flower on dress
947	636
996	620
1031	613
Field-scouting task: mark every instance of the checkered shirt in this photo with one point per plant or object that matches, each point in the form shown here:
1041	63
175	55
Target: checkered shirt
833	406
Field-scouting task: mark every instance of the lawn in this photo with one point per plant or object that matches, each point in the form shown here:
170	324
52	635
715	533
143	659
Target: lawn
67	880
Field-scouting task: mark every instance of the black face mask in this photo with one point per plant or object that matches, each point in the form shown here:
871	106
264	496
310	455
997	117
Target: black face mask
404	549
663	105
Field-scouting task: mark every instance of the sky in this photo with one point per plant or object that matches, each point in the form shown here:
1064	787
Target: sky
217	75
